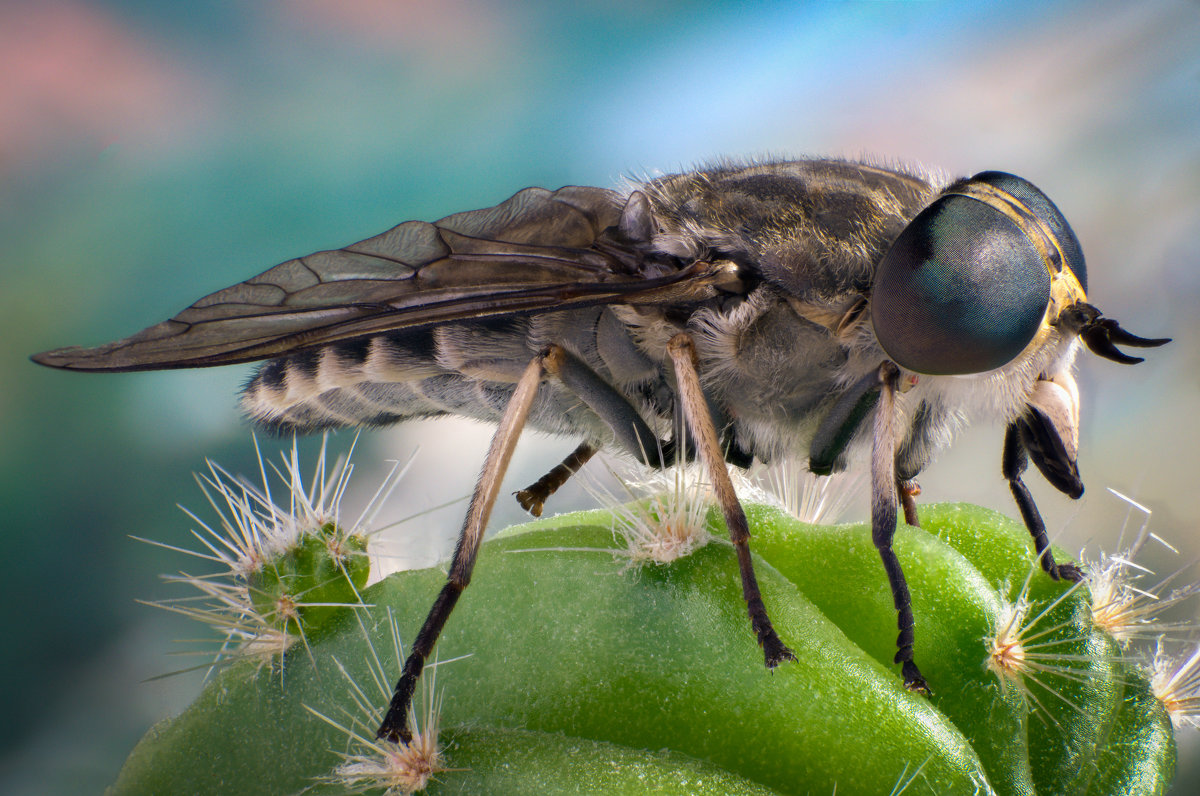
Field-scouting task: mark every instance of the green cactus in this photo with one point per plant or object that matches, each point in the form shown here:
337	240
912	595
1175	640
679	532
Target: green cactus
301	588
568	669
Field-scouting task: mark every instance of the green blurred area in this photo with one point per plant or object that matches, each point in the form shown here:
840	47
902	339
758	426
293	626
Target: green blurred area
150	153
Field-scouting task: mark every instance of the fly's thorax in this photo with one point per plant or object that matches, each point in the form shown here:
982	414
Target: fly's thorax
814	229
649	328
770	202
770	369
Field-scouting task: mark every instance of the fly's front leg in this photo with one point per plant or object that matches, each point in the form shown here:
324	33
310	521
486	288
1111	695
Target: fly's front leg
395	722
883	521
700	424
1013	465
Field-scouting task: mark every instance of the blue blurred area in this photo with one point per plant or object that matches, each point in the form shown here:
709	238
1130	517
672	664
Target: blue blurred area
150	153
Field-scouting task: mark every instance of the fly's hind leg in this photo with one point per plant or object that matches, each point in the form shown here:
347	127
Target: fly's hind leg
395	722
883	522
630	431
700	424
533	497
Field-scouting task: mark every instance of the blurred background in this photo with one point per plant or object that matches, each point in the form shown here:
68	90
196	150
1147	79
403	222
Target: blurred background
153	152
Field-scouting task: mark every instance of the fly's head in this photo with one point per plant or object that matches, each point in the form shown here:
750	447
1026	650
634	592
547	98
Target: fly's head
988	284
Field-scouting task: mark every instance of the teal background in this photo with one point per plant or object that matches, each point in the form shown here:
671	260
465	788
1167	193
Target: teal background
151	153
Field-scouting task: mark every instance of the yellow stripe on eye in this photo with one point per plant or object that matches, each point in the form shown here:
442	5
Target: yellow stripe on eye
1029	222
1065	288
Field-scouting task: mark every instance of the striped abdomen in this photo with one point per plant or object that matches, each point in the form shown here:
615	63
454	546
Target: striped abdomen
466	369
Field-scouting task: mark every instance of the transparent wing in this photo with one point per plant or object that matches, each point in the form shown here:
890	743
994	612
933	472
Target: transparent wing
539	250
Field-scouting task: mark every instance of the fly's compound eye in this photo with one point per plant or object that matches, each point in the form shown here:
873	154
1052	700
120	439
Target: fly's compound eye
965	286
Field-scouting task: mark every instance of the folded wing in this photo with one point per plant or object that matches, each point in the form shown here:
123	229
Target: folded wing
537	251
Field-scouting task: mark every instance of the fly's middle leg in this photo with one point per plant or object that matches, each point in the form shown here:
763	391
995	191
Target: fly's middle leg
700	424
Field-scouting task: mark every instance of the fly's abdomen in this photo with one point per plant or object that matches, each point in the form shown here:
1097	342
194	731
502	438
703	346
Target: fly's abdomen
467	369
369	381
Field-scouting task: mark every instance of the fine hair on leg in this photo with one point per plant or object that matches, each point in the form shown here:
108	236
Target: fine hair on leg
395	723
